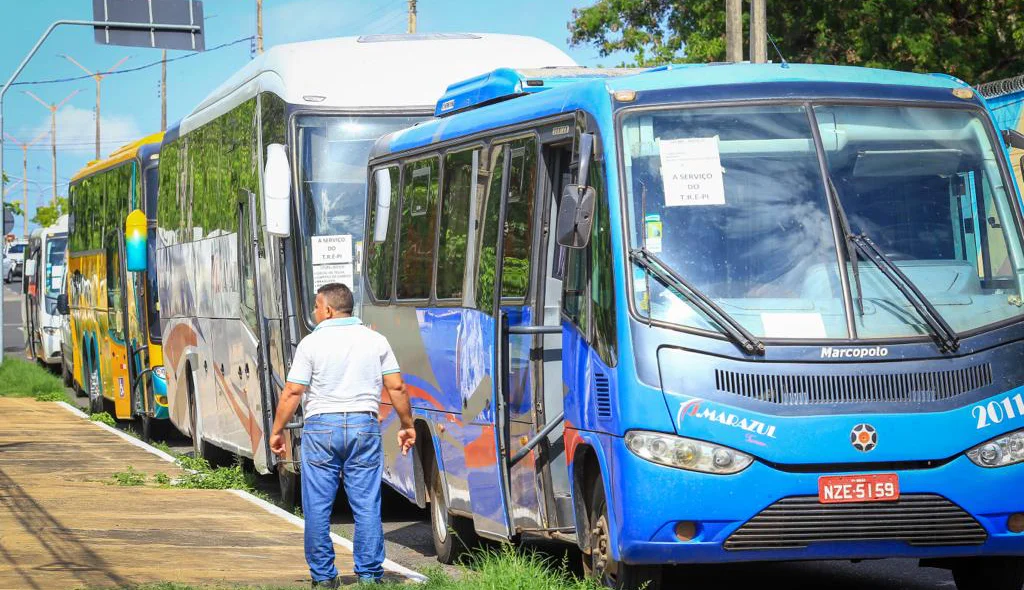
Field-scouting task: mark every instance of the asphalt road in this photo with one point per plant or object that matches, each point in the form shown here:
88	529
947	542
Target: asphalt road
408	540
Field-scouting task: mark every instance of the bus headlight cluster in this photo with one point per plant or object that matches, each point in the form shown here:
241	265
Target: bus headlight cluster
1007	449
160	371
686	453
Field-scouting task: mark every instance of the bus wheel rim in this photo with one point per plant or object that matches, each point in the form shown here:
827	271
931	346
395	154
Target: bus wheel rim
440	519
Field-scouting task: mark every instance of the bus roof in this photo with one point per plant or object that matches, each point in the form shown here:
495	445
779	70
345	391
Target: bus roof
373	71
121	154
595	90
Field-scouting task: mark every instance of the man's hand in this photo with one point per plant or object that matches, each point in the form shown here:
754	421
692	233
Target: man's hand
277	444
406	439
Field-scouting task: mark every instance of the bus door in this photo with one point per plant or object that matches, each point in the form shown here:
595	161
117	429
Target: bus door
257	378
30	284
529	349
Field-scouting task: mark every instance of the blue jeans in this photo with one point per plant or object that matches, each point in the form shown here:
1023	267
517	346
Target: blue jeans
346	446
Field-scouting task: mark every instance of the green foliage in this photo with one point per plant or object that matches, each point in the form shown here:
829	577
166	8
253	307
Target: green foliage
163	446
20	378
161	479
130	478
975	40
15	208
201	476
103	417
47	215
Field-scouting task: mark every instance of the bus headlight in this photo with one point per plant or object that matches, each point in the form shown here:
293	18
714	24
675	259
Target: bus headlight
160	372
686	453
1004	450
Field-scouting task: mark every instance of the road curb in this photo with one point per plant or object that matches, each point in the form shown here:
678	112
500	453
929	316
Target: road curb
272	509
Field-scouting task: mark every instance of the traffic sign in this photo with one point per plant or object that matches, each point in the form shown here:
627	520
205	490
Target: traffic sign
155	12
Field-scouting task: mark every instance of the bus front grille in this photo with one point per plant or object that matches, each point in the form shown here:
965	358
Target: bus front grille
795	390
918	520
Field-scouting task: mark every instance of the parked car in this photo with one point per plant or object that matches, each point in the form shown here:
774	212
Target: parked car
14	261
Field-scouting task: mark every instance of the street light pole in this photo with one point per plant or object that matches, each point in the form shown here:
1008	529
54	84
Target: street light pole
98	76
24	173
53	108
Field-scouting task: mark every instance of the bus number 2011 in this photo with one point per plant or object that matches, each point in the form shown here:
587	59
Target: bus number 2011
996	411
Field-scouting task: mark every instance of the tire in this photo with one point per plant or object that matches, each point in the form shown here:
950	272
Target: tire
453	535
599	563
93	390
65	375
290	487
200	448
146	422
989	573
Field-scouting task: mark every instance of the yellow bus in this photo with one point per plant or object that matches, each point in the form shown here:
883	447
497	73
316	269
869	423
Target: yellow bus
117	359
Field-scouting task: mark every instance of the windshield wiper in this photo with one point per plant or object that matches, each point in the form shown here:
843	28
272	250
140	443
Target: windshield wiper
863	245
948	340
671	279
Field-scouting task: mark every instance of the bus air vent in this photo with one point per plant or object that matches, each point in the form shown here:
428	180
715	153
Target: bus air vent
915	519
603	395
797	390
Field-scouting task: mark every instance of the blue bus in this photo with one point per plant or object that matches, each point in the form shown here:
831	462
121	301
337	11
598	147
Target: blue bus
706	314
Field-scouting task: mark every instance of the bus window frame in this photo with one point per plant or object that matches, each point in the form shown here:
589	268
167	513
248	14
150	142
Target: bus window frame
808	103
429	299
484	148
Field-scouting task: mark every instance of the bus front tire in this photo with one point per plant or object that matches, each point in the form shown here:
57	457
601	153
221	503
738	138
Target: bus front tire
989	573
599	563
453	535
93	389
290	487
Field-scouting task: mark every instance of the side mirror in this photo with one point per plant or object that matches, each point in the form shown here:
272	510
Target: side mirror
575	216
135	238
62	304
586	152
1013	138
277	190
382	202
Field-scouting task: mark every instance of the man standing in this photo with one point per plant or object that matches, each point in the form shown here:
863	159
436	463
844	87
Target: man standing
341	367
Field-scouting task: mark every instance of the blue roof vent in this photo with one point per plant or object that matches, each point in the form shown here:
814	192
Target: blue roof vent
506	83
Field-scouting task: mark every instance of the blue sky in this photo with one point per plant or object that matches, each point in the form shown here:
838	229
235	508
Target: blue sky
131	102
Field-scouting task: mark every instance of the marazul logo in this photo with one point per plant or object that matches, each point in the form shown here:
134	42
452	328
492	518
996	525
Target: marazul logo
693	408
862	352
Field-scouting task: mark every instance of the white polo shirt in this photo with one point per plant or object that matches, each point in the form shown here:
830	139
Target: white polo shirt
342	364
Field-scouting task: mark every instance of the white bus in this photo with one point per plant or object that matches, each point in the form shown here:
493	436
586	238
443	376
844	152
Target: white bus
41	283
262	201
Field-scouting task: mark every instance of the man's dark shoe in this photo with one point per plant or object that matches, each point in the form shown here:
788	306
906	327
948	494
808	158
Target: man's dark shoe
335	583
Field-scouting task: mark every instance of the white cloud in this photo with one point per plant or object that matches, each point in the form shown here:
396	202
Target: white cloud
76	130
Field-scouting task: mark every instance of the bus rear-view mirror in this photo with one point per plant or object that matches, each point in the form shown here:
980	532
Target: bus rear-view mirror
135	241
62	304
382	204
575	216
586	152
277	188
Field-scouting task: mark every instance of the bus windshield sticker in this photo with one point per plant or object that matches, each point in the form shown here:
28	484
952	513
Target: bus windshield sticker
332	273
793	325
652	227
331	249
691	172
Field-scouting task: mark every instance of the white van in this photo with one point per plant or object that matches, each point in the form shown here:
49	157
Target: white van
41	283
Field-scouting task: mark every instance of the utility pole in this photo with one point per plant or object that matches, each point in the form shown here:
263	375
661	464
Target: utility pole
163	92
412	16
24	171
53	108
734	30
259	27
758	32
98	76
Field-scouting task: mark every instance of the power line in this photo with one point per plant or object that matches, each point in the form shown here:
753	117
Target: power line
136	69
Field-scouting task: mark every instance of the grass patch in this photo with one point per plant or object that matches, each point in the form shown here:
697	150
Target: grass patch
103	418
130	478
509	568
21	378
162	446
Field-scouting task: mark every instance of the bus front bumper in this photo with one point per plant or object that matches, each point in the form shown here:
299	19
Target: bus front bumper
959	505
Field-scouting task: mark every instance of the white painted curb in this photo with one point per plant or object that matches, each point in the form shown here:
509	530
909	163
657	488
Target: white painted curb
388	564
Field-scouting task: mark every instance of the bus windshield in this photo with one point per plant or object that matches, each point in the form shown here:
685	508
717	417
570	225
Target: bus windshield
55	249
734	200
332	154
152	178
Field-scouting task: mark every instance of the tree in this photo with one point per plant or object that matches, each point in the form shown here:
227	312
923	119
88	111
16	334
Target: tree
975	40
47	215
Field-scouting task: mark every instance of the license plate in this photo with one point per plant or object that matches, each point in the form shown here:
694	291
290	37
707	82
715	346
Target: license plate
880	487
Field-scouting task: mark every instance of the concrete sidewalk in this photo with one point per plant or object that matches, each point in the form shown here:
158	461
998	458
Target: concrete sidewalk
62	525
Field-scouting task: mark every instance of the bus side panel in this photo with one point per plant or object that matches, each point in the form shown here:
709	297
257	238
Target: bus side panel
181	334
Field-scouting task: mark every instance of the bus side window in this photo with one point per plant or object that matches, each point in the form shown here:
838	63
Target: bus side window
380	256
459	183
418	228
602	282
485	260
246	268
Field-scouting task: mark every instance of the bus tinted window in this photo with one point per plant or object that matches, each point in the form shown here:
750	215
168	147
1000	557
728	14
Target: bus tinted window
381	255
459	189
602	284
418	227
522	185
489	238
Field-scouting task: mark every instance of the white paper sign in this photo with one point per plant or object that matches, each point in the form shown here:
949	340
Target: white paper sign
332	273
793	325
691	171
331	249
